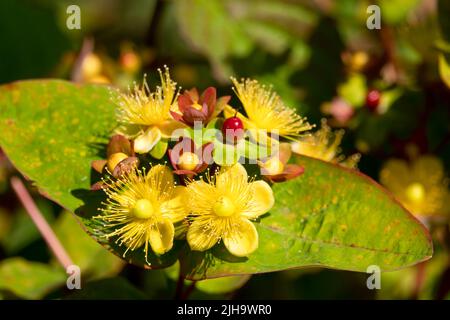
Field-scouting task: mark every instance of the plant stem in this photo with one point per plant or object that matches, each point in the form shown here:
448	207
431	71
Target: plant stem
46	231
180	286
419	281
188	291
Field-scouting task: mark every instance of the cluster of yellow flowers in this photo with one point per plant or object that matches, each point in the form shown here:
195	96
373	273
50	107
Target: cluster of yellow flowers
150	208
144	208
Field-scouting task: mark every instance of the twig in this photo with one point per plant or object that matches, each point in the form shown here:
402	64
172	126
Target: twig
419	281
180	286
188	291
40	222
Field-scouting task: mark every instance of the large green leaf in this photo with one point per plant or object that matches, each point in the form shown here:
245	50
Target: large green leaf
51	131
330	217
29	280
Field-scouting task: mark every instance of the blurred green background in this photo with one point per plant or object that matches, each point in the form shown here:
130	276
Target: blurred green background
318	55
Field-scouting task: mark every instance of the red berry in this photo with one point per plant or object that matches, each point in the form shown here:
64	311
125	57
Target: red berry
233	129
373	99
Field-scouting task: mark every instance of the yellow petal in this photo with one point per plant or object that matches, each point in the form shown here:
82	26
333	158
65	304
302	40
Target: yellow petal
201	197
262	200
242	240
146	141
175	208
169	127
161	236
201	239
231	174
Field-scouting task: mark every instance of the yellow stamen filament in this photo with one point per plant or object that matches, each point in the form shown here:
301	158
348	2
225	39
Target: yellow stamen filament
142	107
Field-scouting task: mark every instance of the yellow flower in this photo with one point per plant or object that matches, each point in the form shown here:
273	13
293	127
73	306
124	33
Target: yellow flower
420	185
222	209
266	113
92	69
145	115
141	209
324	145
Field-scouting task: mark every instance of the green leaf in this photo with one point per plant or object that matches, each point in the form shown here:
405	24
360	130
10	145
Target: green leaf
222	285
29	280
216	37
354	90
51	131
401	284
331	217
396	11
200	136
113	288
23	231
160	149
388	98
225	154
221	30
252	150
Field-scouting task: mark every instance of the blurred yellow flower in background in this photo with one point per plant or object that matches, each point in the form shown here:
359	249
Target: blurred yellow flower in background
420	185
92	69
324	145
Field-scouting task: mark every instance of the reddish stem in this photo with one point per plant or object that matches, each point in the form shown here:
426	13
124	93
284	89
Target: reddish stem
47	233
420	279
